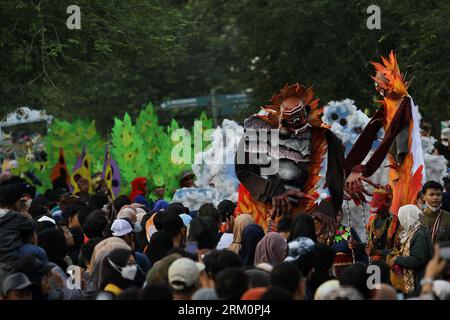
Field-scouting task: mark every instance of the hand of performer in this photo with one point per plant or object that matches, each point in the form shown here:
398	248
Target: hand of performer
327	223
354	187
281	203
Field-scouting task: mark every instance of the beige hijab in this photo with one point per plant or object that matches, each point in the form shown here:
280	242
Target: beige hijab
240	223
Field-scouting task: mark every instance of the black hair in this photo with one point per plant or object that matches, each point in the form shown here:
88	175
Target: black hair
286	276
157	291
284	224
121	201
177	207
183	253
83	214
257	278
70	212
95	224
172	223
43	201
37	210
98	200
158	220
9	194
276	293
201	231
87	249
216	261
431	185
208	210
231	283
356	276
226	209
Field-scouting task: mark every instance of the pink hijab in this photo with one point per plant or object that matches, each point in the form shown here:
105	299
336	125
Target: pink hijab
271	249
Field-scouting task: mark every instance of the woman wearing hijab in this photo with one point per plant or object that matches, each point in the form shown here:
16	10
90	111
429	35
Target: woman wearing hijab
251	235
303	226
240	223
415	252
271	249
139	190
159	246
118	271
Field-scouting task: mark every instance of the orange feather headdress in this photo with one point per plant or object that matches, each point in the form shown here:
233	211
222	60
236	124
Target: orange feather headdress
389	77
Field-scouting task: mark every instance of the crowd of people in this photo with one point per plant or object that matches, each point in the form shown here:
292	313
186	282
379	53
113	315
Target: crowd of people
131	248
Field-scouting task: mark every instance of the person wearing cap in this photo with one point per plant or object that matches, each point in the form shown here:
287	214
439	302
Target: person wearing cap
187	179
17	286
184	275
122	228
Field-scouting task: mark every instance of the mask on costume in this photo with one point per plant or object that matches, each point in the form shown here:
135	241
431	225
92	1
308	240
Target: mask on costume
293	115
381	200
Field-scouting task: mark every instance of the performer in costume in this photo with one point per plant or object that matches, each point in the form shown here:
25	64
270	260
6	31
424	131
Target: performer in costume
348	247
302	147
382	234
401	143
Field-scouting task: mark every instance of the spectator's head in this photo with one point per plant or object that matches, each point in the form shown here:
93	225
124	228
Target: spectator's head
356	276
326	288
10	196
158	247
425	129
257	278
37	210
231	283
251	236
121	228
68	200
86	251
203	233
432	195
302	252
276	293
177	207
205	294
37	272
208	210
159	273
95	225
385	292
17	286
284	226
325	256
445	136
121	201
240	223
409	217
83	214
216	261
118	268
271	249
158	220
226	209
186	179
98	200
54	243
287	276
173	225
83	185
303	226
70	216
184	275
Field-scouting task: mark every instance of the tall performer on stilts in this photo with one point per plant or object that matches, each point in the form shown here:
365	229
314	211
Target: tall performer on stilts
290	133
401	143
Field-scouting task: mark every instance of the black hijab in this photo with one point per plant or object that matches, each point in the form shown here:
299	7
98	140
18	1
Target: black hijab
54	244
303	226
158	247
110	275
251	235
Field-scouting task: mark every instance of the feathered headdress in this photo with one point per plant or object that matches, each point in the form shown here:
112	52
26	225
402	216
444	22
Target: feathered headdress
389	77
299	91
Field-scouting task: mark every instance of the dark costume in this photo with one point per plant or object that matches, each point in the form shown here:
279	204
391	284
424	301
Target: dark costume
302	146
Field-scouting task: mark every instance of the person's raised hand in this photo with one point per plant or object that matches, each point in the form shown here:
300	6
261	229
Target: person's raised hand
436	265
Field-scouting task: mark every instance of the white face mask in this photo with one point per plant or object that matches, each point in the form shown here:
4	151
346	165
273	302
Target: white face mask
433	209
129	272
